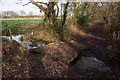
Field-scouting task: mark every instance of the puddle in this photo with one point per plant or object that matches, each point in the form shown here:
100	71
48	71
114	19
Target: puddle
103	67
28	44
92	63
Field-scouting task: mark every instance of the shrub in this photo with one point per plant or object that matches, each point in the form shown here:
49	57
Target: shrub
81	15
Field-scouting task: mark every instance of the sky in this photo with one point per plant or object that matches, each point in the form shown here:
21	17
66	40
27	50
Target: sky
17	6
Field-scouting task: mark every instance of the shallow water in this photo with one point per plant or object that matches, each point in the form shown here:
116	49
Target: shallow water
28	44
87	63
103	67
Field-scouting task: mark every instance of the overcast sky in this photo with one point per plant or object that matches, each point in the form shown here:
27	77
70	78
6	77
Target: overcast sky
17	6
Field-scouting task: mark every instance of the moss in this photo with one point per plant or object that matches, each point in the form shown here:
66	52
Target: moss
81	52
71	60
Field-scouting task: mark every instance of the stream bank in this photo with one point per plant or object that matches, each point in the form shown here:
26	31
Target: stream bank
52	60
28	44
52	64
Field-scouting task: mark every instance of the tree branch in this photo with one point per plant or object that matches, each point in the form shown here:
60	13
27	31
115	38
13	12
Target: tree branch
36	2
57	10
27	3
38	5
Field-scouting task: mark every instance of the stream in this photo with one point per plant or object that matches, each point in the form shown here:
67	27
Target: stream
86	62
29	44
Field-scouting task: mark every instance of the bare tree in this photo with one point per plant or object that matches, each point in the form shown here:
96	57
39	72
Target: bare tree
6	13
22	13
11	14
30	13
48	9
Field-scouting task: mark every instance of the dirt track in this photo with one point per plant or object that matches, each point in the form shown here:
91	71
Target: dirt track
52	65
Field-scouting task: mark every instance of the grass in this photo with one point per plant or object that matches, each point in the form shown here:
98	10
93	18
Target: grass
27	25
35	25
17	22
20	18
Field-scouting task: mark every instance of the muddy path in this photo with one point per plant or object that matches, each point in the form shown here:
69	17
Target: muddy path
56	66
51	60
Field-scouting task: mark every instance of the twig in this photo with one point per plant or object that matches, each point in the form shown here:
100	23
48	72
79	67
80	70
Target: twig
36	2
27	3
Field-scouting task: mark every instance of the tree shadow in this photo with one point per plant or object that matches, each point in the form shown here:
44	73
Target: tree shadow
96	30
96	48
36	66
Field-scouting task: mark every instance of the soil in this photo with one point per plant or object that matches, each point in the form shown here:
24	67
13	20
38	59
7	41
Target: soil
51	60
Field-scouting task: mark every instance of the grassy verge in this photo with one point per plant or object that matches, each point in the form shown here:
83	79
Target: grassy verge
35	29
